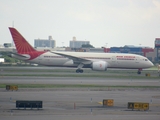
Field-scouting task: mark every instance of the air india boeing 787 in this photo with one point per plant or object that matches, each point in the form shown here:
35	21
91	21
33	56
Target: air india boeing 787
95	61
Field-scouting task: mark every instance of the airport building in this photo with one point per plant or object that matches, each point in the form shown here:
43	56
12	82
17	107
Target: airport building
45	42
131	49
155	55
7	45
77	43
140	50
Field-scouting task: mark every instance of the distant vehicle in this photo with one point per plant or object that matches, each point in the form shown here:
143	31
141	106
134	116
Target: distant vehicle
1	60
95	61
34	64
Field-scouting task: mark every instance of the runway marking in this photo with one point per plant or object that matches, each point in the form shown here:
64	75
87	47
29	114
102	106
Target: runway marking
13	100
100	103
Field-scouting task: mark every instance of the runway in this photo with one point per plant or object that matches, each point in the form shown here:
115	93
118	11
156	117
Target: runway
70	103
79	81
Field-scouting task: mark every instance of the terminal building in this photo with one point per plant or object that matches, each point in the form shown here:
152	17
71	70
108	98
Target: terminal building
155	55
131	49
74	44
7	45
45	42
140	50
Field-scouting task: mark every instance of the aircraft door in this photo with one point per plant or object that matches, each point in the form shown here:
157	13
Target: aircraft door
114	61
39	59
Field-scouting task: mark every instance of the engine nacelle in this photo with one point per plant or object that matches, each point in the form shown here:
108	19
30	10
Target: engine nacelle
99	65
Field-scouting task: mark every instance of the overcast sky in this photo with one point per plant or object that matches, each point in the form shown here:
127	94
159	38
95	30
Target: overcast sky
102	22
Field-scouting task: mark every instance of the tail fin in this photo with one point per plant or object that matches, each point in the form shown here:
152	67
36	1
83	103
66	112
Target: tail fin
22	45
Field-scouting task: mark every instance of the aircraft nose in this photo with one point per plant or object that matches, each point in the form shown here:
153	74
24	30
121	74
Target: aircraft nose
151	64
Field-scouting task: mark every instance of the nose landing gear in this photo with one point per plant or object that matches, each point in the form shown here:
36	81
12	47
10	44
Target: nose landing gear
139	71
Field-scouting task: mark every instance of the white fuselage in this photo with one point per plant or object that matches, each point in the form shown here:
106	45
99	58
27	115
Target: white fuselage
114	60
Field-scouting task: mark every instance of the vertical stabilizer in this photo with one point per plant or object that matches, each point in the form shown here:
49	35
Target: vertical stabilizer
22	45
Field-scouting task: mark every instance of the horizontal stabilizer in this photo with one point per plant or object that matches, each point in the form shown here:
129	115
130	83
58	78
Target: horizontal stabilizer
20	55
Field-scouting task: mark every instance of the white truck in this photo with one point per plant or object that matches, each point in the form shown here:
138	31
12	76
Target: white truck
1	60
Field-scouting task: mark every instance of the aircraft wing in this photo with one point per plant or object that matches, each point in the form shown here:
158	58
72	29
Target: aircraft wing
77	60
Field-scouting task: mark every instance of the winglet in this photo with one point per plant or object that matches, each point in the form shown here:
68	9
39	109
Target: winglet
21	43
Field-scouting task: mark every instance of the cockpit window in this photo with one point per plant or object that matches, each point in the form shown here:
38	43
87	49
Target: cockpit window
146	60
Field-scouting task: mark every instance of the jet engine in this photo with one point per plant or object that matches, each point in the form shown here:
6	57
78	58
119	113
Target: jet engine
99	65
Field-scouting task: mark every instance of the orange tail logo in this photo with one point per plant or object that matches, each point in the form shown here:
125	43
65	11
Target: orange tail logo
22	45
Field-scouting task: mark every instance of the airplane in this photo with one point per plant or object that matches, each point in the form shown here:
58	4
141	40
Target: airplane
80	60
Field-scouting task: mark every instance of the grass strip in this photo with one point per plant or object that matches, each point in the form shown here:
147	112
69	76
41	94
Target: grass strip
74	86
86	75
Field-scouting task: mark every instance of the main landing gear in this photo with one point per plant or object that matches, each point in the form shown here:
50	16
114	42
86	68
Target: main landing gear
139	71
79	71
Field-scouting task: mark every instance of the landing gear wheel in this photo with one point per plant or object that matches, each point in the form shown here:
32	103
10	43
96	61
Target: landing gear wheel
79	71
139	72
